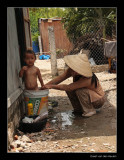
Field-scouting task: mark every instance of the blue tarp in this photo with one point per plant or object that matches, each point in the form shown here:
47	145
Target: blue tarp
35	46
44	56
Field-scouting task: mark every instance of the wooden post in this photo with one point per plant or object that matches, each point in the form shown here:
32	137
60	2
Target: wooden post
54	70
40	44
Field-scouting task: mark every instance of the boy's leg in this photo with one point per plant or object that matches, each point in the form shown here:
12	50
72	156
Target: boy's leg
74	101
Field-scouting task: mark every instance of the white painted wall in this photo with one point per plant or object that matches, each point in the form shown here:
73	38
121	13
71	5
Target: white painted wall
13	57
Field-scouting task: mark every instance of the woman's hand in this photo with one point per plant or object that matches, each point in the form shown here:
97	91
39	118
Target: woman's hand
48	86
54	86
43	87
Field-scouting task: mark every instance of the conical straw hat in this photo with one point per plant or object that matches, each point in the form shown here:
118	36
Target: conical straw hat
79	63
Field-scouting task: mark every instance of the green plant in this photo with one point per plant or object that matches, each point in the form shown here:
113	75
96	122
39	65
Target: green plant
78	21
35	37
36	13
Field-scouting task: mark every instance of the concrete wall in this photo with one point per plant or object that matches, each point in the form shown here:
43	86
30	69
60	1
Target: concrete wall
16	108
15	112
13	58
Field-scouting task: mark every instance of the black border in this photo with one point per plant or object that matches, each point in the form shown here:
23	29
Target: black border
3	107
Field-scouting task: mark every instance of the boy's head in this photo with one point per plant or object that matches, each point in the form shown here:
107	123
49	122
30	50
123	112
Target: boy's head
29	51
29	57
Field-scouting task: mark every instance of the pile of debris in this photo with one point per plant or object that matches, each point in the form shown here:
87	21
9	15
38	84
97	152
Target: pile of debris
94	44
23	141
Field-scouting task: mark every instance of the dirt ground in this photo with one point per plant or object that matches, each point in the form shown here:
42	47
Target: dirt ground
70	133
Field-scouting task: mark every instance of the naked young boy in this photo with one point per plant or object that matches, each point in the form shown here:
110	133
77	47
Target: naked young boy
30	72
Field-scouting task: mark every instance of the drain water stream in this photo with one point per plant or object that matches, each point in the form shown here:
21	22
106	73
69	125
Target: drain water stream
64	119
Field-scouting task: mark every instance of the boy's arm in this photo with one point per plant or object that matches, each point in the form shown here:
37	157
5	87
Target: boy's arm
22	71
40	77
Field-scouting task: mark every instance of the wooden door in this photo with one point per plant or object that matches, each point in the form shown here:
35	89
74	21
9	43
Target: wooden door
27	28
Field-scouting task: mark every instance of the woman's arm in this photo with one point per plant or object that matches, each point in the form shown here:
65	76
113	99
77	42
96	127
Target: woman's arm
60	78
73	86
